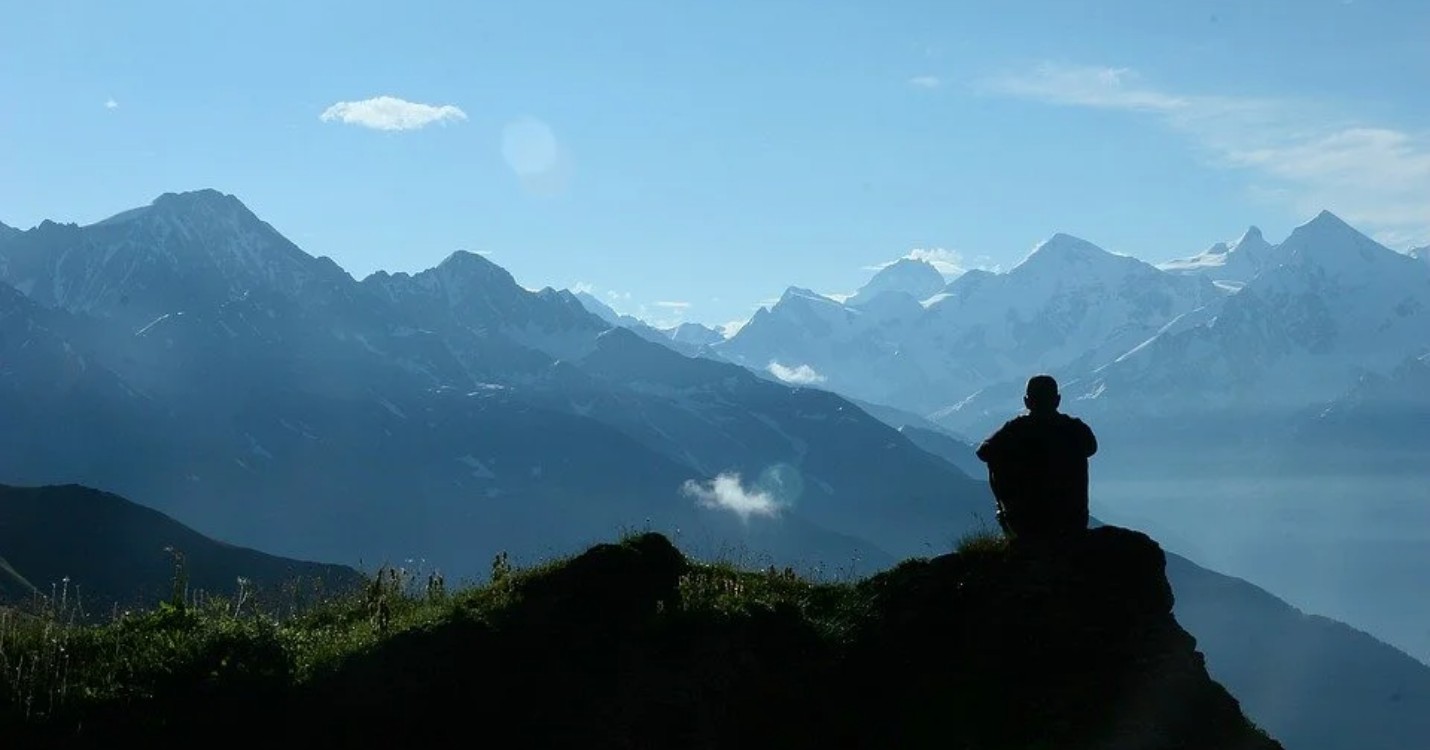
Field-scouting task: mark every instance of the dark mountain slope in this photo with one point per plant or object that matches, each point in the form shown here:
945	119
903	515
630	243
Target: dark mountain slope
1310	681
102	551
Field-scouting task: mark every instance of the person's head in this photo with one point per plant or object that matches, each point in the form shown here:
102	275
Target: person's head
1042	395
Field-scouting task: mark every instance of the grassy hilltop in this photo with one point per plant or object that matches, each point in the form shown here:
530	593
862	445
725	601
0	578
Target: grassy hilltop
634	645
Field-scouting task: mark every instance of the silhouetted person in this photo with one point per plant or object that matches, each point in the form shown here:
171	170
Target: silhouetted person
1037	466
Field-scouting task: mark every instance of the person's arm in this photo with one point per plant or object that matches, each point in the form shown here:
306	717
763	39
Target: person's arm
992	447
1089	440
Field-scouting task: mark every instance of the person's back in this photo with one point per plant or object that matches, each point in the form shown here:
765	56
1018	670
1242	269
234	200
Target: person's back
1038	466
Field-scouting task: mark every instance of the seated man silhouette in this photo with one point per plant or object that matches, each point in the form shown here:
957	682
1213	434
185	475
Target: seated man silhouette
1037	466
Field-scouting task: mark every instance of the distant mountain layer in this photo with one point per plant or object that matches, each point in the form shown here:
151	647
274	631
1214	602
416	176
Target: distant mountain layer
98	551
1069	305
1310	681
186	354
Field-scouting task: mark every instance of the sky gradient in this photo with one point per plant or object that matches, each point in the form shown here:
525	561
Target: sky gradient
690	161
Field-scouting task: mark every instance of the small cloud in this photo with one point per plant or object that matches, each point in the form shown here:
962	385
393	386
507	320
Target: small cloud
925	82
616	296
801	375
391	113
111	104
727	492
582	287
677	306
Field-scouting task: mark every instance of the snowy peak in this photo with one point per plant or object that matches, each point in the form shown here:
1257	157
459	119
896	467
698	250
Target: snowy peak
916	278
1063	254
1251	240
1421	254
1326	226
1332	244
796	295
1229	265
1337	305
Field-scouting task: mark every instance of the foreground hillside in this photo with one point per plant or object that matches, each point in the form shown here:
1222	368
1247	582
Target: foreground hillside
632	645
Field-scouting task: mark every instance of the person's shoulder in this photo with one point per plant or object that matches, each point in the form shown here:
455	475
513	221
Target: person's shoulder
1016	423
1008	424
1076	424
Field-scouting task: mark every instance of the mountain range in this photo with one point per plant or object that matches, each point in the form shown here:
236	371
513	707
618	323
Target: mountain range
1246	333
186	355
264	392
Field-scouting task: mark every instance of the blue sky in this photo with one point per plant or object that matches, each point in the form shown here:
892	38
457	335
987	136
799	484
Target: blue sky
691	160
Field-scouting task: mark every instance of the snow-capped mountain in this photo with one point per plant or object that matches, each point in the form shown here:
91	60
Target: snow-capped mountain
1069	304
1421	254
1230	265
1340	306
915	278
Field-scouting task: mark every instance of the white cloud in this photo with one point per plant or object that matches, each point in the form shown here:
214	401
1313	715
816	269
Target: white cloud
1086	86
582	287
677	306
727	492
925	82
391	113
1303	156
111	104
800	375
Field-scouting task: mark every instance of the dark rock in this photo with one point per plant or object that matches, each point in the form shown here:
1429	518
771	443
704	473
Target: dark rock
607	585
